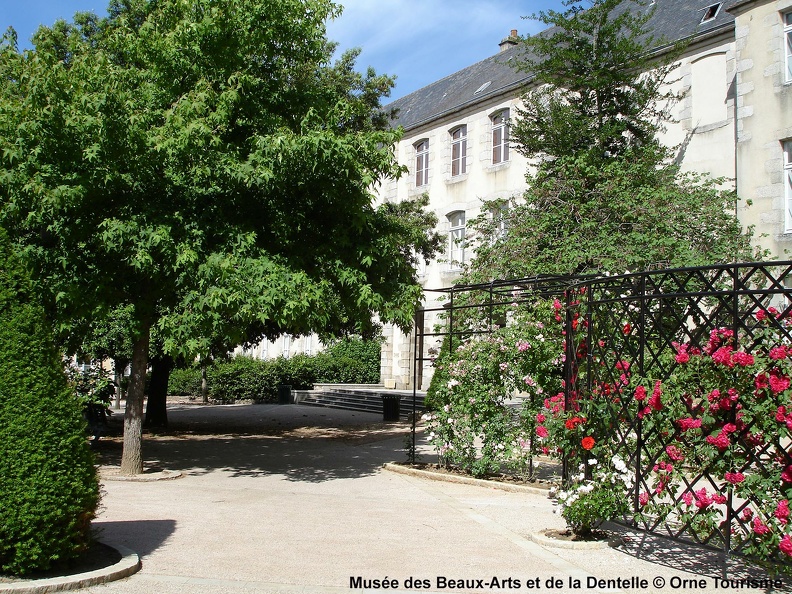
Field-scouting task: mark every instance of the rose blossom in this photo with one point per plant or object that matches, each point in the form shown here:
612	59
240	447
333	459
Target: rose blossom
688	423
674	453
778	383
782	511
735	478
743	359
759	527
786	545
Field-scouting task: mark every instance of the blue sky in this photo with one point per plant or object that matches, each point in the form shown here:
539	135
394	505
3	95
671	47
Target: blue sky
419	41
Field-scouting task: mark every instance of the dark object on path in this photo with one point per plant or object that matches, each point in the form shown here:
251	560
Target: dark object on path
284	394
391	407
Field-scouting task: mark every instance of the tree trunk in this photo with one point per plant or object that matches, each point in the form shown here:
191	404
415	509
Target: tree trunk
204	381
118	376
156	409
132	454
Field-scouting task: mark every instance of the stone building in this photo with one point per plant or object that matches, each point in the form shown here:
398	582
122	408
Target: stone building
734	122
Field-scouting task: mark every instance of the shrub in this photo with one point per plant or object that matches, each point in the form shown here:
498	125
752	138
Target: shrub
349	360
185	382
48	485
241	378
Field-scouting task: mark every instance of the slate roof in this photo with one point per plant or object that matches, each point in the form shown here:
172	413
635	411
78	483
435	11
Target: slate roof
673	20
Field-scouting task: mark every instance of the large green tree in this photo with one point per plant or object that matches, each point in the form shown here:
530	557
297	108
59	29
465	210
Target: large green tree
604	194
198	162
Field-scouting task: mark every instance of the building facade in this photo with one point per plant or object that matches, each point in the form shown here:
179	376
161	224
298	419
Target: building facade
735	122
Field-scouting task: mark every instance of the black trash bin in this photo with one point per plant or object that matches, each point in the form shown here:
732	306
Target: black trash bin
284	395
391	407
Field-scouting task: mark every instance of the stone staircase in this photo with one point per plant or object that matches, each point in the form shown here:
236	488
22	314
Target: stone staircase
359	397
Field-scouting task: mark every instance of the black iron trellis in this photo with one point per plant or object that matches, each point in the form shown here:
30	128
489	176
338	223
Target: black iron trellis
658	308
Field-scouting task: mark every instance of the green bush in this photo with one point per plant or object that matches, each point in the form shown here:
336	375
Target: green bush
48	485
350	360
185	382
345	361
240	378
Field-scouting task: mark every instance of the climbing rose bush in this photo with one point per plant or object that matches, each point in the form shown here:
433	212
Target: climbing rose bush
724	410
728	412
477	425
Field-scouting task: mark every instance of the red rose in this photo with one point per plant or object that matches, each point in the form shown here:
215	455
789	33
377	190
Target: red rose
587	443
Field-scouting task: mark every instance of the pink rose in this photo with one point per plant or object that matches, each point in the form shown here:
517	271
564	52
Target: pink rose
786	545
759	527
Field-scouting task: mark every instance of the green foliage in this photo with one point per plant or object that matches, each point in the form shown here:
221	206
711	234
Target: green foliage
473	425
48	485
602	497
630	213
440	377
185	381
92	385
346	361
605	196
244	378
599	89
350	360
178	156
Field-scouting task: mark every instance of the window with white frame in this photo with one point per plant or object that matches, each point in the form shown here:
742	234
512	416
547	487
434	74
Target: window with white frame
308	344
456	239
422	163
788	44
500	137
458	151
286	345
788	184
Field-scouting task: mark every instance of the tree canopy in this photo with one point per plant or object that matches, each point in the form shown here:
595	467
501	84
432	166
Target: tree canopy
605	195
597	86
207	165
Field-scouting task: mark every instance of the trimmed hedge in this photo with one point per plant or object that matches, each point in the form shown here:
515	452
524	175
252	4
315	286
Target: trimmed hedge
48	485
347	361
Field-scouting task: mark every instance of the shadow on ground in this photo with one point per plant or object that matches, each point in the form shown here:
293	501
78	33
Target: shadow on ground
689	557
260	440
142	536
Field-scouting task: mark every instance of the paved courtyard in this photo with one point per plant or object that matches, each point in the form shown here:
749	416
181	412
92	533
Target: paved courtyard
294	499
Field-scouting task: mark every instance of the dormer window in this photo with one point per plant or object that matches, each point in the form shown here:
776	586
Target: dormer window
711	12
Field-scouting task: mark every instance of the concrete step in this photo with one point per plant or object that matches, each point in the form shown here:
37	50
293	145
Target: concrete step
354	398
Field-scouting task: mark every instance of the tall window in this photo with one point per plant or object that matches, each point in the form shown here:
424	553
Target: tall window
459	151
500	137
422	163
788	44
286	346
456	239
788	183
